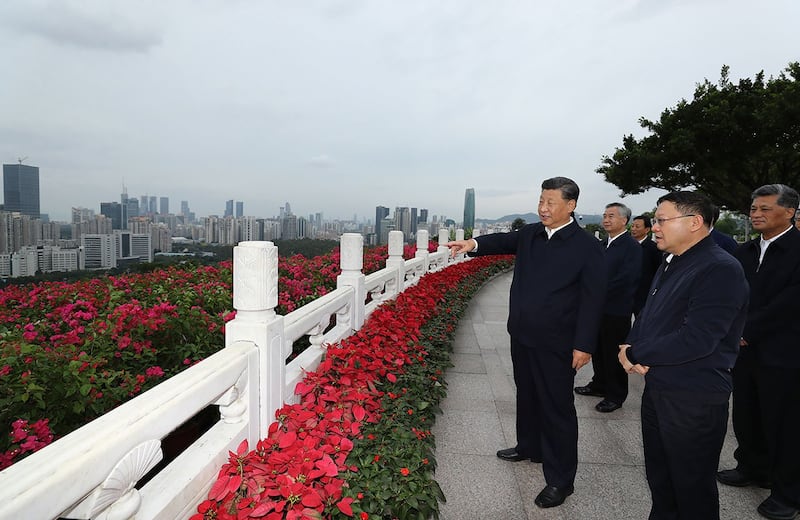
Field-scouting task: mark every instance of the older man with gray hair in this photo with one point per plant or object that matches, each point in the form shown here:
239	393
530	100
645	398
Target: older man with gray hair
766	377
623	261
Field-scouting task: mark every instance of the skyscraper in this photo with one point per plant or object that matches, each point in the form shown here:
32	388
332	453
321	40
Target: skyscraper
469	209
381	212
21	189
228	208
423	215
114	211
239	208
164	205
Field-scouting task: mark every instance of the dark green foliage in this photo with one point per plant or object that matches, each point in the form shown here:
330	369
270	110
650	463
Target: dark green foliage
727	141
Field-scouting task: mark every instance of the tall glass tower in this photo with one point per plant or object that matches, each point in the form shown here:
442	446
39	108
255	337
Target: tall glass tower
21	189
469	209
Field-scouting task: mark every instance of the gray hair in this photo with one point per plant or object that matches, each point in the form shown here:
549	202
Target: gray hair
787	197
624	211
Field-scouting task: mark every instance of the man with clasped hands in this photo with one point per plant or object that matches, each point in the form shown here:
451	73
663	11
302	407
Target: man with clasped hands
557	297
685	342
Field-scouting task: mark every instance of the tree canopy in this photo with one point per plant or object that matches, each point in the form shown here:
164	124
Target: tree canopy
725	142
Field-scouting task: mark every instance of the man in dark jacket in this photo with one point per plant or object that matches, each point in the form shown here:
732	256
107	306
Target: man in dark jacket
766	379
623	257
651	259
724	241
685	343
556	301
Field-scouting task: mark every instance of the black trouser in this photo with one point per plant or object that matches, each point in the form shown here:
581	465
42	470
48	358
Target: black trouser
766	420
609	376
682	436
547	425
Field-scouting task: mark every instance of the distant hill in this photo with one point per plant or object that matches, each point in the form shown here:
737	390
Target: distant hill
530	218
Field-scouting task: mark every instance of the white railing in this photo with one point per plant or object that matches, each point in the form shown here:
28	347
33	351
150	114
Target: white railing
92	473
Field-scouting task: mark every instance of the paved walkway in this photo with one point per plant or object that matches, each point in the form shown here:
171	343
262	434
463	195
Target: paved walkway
478	419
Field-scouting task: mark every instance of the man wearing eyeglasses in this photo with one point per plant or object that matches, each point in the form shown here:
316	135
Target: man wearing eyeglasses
766	378
685	342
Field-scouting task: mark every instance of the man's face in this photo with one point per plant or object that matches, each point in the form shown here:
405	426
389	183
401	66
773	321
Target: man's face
674	233
554	210
638	231
768	217
613	222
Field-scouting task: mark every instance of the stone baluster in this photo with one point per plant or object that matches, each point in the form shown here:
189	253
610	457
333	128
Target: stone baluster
444	238
351	260
422	248
395	260
255	296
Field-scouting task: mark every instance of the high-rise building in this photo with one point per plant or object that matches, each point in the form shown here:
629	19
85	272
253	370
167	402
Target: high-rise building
423	215
414	221
381	212
164	205
82	215
152	206
469	209
115	211
239	209
402	221
289	227
99	252
228	208
185	208
21	189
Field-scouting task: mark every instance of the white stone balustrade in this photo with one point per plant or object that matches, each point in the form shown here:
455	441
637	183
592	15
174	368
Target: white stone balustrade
92	472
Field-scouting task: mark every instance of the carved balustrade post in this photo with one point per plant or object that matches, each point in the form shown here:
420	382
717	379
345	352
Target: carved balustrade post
395	260
444	238
422	248
460	236
351	260
255	297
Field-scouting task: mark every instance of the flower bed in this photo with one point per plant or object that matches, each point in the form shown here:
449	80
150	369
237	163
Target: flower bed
70	352
359	444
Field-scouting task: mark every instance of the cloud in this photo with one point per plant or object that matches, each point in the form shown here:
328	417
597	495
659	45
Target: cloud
81	25
321	161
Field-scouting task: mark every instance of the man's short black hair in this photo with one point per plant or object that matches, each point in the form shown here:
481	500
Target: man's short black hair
569	190
644	218
691	203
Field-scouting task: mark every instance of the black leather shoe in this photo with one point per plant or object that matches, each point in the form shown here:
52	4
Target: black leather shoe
734	477
510	455
607	406
776	510
552	496
588	390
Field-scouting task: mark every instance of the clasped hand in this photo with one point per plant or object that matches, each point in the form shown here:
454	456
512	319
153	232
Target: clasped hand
627	365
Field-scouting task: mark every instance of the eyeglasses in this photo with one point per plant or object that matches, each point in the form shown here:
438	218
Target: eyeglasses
660	221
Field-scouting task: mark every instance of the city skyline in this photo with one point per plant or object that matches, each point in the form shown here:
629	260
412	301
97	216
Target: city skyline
371	103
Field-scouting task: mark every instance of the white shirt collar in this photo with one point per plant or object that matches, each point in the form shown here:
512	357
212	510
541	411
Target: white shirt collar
551	231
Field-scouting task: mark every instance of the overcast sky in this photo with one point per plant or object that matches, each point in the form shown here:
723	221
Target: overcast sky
339	106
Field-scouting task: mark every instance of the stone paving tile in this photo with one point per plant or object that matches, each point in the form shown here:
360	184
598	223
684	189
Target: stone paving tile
479	418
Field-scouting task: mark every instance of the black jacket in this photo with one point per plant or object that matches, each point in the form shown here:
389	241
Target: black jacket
688	332
772	330
651	259
724	241
624	268
559	285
